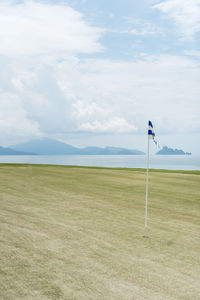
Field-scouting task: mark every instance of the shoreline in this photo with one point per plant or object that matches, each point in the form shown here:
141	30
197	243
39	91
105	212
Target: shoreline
192	172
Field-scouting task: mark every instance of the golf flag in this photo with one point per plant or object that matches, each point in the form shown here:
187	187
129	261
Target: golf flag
151	133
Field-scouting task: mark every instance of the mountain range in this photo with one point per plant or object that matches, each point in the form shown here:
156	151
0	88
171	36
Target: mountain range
9	151
48	146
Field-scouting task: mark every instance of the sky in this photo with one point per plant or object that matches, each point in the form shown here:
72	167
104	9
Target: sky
93	72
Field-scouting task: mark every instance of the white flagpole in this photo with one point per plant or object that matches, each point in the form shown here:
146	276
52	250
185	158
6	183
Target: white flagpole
146	202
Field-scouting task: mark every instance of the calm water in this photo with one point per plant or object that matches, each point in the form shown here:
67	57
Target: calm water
172	162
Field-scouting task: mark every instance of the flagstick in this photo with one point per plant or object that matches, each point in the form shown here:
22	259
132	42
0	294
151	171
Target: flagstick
146	202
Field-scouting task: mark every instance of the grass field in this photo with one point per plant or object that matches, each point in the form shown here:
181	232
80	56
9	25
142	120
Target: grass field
77	233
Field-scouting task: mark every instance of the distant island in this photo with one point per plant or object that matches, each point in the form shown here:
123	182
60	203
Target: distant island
48	146
169	151
9	151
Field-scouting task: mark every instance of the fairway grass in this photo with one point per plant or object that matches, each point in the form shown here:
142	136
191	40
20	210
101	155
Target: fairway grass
76	233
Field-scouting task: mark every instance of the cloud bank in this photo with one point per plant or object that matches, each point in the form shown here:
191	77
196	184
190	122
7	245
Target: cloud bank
32	28
49	86
184	13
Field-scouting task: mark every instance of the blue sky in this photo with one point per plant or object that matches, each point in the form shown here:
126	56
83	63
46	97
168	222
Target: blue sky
94	72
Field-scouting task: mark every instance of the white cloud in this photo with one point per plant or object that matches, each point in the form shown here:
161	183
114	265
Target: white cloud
14	122
59	97
84	109
30	28
163	87
185	14
100	96
116	125
194	53
141	28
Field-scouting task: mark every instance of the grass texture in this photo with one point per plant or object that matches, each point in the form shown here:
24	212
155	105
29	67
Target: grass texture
76	233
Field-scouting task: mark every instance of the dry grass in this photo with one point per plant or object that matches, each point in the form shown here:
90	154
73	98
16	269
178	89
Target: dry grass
77	233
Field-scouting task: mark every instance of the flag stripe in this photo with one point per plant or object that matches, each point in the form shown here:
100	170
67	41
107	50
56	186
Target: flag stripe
150	132
150	124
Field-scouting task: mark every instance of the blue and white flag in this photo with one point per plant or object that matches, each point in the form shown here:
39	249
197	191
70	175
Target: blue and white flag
151	133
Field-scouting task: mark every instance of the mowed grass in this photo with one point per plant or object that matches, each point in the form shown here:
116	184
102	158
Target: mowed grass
77	233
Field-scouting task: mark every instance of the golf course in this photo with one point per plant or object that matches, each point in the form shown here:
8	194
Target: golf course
76	233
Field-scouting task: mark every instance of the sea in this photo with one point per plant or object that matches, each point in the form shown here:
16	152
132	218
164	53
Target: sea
170	162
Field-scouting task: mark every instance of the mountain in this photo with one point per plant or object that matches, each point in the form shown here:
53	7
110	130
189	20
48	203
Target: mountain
9	151
169	151
48	146
109	151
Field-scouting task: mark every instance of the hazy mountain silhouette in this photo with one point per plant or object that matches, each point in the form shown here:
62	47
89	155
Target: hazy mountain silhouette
48	146
9	151
169	151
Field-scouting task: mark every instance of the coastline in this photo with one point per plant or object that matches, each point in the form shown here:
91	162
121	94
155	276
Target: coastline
194	172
